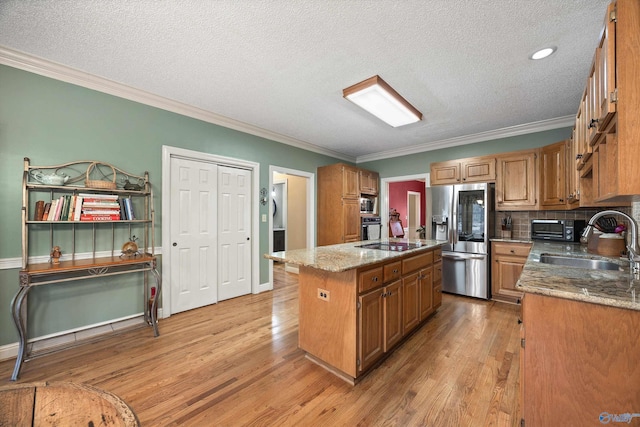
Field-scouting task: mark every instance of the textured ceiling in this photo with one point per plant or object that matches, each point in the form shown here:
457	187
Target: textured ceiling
281	65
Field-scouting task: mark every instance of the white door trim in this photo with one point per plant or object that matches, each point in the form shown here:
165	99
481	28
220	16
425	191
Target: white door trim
384	195
412	231
167	153
311	209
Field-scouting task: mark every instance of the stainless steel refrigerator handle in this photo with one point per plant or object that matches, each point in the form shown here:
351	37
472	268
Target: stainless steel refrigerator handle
463	257
453	218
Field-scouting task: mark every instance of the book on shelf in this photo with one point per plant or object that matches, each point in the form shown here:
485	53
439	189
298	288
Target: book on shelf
39	210
99	217
98	196
123	211
52	210
45	212
72	206
77	210
128	205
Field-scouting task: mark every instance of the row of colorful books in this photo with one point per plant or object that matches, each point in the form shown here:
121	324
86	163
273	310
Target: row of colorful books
85	207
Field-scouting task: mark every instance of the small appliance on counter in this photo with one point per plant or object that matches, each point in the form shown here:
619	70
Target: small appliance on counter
560	230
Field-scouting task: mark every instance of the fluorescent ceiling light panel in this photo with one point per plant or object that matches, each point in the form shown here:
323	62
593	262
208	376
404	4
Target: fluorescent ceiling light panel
378	98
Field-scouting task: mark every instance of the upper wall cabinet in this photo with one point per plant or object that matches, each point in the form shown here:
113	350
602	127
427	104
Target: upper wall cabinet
516	181
553	176
369	182
473	169
611	106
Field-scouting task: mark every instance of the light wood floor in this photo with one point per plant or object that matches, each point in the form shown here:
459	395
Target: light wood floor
237	363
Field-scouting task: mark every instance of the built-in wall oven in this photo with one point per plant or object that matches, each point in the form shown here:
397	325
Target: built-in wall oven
370	228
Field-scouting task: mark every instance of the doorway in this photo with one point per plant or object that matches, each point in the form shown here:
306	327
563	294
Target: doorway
210	253
413	214
394	195
292	217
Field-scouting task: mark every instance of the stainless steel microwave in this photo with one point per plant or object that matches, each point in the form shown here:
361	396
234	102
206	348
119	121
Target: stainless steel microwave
563	230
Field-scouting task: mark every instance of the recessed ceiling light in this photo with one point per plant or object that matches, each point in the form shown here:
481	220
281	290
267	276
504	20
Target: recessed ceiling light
543	53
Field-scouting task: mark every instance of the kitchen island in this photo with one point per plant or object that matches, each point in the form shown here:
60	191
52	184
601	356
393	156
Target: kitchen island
580	338
359	300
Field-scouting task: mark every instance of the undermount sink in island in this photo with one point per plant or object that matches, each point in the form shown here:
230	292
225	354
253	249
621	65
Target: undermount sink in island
580	336
358	302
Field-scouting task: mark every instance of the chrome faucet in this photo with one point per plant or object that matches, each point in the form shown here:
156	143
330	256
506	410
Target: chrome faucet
632	247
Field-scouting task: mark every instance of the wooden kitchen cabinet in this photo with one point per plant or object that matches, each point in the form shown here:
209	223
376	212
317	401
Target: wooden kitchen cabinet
369	182
517	181
370	321
338	204
508	262
585	353
411	286
553	176
392	304
437	283
613	104
425	283
473	169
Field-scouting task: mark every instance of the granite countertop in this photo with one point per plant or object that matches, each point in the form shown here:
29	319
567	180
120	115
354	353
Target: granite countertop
616	288
347	256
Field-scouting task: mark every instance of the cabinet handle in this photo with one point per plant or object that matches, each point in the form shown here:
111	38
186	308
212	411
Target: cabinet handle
374	279
519	321
593	123
395	271
561	200
512	251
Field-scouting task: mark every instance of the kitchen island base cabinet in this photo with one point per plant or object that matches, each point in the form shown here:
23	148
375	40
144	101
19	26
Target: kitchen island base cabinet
349	321
579	361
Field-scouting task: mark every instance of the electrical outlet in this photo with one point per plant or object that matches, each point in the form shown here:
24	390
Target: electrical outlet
323	294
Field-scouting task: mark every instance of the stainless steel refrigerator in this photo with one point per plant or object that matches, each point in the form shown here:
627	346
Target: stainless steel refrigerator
464	216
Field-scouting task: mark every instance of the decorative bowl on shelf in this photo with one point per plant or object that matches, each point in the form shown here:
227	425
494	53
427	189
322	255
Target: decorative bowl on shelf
49	179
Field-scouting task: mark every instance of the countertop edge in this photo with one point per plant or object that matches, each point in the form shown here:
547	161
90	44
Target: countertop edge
349	256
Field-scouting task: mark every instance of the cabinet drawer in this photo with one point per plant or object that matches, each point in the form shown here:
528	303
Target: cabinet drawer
415	262
514	249
437	272
370	279
437	255
392	271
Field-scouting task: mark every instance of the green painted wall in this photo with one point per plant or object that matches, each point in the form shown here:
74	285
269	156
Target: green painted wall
53	122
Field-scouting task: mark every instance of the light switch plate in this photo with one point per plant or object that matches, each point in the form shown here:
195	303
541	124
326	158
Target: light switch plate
264	217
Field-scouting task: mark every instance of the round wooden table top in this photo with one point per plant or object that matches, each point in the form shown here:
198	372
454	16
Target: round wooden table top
58	404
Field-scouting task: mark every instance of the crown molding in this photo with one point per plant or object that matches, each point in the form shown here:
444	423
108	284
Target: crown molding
517	130
43	67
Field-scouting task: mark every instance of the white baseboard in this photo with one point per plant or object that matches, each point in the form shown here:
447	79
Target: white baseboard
70	337
263	287
291	268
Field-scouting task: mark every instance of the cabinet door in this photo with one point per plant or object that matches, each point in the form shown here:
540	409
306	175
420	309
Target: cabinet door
351	220
410	302
426	292
606	65
516	183
479	170
445	173
392	314
350	182
553	176
370	320
368	182
573	173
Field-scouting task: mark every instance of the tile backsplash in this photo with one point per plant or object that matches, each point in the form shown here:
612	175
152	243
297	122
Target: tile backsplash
521	220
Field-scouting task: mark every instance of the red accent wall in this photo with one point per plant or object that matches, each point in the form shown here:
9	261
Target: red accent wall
398	198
